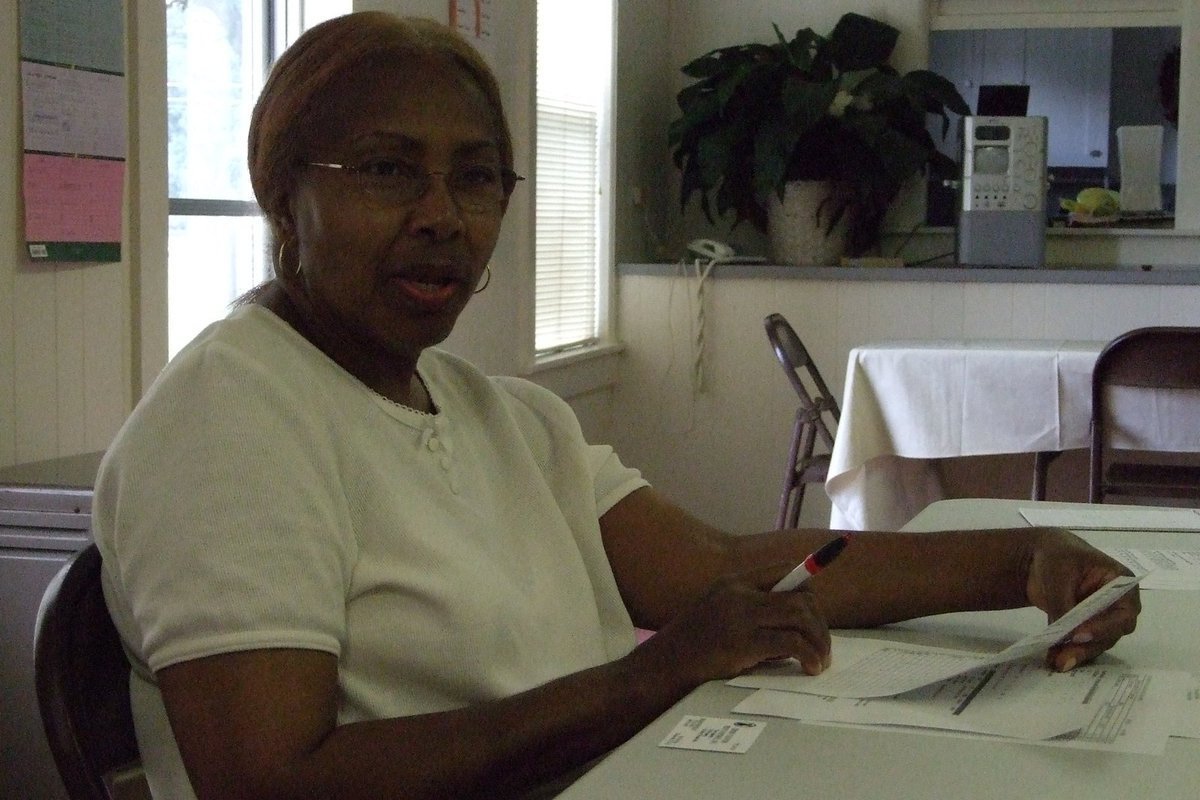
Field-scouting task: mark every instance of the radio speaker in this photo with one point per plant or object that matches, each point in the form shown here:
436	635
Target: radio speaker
1002	214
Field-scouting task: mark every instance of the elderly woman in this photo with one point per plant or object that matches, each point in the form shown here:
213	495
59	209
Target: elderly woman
347	564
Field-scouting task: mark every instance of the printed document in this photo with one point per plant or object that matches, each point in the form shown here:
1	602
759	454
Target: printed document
1095	707
890	668
1164	569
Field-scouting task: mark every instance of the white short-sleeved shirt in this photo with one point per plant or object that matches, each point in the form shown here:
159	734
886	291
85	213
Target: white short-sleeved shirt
260	496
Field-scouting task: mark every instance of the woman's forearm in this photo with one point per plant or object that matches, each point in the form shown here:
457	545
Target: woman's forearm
887	577
664	559
490	750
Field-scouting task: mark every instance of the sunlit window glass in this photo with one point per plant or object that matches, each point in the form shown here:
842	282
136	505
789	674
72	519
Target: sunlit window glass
574	81
218	53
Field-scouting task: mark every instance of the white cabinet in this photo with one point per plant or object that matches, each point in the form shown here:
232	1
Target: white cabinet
45	516
1067	70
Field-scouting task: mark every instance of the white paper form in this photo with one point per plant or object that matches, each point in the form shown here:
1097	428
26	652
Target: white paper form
876	668
1113	518
73	111
713	734
975	702
1097	707
1165	569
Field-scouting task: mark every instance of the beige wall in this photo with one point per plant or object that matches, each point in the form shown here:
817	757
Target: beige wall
79	343
66	331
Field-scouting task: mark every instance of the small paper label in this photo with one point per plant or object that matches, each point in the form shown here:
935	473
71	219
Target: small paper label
713	734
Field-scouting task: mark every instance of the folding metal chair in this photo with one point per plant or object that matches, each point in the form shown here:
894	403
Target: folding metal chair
816	418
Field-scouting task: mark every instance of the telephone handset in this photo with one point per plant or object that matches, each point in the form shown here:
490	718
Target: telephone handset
712	250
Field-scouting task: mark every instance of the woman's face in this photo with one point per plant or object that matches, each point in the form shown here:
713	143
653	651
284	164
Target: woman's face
384	277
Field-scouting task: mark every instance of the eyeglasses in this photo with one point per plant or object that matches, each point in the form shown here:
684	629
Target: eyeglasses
392	182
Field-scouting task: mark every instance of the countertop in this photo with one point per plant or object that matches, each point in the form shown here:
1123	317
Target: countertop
68	472
1148	275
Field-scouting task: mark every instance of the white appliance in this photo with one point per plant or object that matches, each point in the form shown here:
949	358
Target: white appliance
1002	213
45	517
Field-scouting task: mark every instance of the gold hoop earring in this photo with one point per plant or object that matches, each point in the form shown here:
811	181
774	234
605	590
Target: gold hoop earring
487	278
279	261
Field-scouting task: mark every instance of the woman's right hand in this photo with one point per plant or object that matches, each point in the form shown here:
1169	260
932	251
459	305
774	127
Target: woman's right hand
737	624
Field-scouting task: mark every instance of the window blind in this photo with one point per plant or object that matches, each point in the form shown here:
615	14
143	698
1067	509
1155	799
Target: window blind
572	86
566	225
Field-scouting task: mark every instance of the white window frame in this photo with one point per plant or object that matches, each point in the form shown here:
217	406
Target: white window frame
601	341
957	14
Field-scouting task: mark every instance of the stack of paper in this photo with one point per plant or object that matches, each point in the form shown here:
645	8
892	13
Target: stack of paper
1007	694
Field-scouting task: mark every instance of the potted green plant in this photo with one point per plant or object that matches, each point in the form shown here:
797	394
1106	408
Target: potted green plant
817	108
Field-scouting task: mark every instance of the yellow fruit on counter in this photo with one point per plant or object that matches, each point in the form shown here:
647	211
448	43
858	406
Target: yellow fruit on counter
1095	201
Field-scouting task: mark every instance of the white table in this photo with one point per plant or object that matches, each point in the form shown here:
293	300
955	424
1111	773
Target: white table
907	403
794	759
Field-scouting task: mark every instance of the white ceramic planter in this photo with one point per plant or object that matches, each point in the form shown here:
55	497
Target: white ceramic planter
796	233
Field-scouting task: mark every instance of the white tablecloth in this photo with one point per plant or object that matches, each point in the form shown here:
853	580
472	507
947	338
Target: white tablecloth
907	402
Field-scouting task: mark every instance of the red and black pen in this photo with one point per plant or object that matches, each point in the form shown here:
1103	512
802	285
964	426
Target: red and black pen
814	563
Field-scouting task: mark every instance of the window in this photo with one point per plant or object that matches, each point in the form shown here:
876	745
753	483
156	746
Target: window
217	245
218	54
574	144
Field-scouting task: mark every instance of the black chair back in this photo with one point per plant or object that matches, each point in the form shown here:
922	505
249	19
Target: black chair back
82	679
1148	358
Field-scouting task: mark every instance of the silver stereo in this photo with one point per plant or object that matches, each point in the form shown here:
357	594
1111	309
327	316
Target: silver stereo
1002	212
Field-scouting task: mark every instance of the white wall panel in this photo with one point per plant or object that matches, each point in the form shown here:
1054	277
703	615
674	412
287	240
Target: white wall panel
35	371
1068	312
1177	310
1135	307
10	189
947	319
69	334
1028	311
105	385
987	311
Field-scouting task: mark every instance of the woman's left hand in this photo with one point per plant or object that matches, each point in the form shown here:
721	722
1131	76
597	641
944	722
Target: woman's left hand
1064	569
